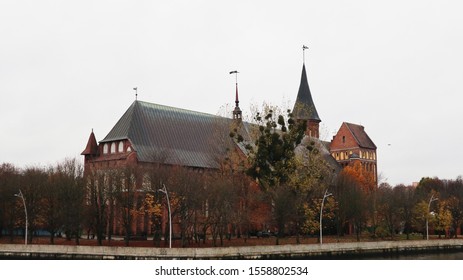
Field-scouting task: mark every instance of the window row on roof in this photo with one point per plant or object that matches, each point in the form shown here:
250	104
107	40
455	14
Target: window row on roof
115	147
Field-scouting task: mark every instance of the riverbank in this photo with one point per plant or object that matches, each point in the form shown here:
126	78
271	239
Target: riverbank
348	250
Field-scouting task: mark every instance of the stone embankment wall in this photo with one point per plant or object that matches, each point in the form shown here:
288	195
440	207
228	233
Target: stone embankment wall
313	251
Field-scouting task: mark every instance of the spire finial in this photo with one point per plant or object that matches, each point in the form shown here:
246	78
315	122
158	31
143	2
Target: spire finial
136	92
236	84
304	47
237	111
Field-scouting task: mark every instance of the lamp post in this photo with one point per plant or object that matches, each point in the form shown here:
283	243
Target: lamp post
429	209
164	190
321	214
25	211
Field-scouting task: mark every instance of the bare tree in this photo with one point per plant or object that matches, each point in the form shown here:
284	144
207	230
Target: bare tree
125	192
9	184
33	181
405	200
389	209
352	204
96	204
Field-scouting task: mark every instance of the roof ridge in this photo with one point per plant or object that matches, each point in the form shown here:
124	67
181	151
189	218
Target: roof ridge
180	109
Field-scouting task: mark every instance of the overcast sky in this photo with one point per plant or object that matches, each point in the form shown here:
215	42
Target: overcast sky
395	67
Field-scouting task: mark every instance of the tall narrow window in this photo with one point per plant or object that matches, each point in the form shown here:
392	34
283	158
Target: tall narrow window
344	139
113	147
105	148
120	149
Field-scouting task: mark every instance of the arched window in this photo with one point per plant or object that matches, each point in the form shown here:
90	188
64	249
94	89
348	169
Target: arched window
105	148
113	147
120	149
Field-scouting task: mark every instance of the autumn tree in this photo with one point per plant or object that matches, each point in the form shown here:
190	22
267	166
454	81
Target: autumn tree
443	218
454	200
352	201
272	159
425	213
151	208
311	224
421	214
454	206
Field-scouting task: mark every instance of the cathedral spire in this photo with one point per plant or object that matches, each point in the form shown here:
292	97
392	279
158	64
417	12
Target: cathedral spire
237	114
304	107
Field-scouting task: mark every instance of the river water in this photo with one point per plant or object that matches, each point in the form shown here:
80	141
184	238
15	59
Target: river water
426	256
441	255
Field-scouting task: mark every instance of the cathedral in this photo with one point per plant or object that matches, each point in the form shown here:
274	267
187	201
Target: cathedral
149	133
193	139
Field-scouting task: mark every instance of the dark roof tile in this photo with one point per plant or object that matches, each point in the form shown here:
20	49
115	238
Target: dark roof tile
362	138
304	107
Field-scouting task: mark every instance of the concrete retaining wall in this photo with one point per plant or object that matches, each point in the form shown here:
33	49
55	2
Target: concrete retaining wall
314	251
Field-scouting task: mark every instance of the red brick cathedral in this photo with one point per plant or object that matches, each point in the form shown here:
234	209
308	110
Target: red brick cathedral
148	134
186	137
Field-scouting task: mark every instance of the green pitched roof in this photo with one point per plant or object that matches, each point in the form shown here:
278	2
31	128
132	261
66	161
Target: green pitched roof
181	137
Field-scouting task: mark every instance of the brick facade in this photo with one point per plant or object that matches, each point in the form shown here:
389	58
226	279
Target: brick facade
351	143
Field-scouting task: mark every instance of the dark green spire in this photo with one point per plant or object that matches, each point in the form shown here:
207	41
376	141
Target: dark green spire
304	108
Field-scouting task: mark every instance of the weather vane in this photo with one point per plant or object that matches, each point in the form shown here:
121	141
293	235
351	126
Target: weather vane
236	83
304	47
136	93
236	75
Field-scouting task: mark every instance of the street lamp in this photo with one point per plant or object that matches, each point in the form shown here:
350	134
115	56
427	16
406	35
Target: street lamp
164	190
429	209
321	214
25	211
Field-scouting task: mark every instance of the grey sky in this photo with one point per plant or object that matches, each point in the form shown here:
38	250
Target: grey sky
393	66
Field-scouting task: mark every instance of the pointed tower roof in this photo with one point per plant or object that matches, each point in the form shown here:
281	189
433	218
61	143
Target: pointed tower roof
92	146
304	108
237	111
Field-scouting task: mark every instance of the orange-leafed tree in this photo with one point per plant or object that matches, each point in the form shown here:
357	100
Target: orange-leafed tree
364	179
